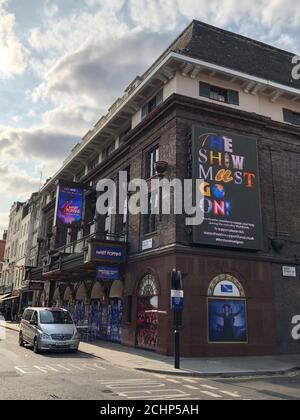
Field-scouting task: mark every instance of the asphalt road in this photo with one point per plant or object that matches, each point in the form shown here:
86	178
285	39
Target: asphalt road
27	376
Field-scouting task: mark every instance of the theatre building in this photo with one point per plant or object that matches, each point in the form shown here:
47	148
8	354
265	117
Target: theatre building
214	106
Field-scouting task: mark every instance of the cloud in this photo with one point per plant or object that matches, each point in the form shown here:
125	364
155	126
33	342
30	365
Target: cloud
97	74
16	182
35	143
156	15
114	5
4	219
63	35
50	9
73	120
267	20
12	52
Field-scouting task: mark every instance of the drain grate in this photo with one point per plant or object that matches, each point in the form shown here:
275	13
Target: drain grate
54	397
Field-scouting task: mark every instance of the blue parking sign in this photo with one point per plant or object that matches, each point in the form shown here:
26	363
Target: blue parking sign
177	299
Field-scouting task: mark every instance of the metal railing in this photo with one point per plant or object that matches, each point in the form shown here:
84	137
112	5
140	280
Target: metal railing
78	246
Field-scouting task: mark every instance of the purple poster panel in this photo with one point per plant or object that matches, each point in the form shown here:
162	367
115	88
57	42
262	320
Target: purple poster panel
69	206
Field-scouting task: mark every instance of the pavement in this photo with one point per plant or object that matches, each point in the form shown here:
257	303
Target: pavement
229	367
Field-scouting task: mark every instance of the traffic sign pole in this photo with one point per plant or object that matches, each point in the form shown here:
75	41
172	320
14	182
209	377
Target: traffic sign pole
177	305
177	340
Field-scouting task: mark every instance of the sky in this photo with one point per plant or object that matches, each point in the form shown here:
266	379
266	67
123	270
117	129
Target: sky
64	62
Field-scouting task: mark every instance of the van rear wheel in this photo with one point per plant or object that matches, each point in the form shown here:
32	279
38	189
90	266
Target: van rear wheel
21	341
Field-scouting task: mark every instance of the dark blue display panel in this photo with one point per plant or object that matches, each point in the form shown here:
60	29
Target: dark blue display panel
227	321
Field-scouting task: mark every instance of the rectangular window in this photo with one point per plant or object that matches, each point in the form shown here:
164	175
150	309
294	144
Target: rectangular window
80	175
93	163
152	104
219	94
109	150
152	159
291	116
150	219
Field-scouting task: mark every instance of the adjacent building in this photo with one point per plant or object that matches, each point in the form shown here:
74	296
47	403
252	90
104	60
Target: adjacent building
2	251
20	254
216	106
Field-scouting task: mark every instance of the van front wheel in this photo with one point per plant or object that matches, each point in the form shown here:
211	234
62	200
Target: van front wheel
21	341
36	349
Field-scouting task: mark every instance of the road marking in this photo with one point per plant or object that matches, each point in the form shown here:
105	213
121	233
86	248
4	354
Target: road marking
172	393
75	366
211	394
89	368
212	388
23	371
130	386
163	397
46	369
141	388
174	381
65	368
191	387
231	394
125	381
191	381
94	367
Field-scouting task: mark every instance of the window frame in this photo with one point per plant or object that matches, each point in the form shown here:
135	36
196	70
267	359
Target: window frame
291	117
152	104
232	97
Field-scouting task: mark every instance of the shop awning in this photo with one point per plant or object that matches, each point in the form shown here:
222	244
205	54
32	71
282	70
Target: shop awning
10	298
3	297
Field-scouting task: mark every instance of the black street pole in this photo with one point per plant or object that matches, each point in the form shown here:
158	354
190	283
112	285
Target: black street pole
176	285
177	340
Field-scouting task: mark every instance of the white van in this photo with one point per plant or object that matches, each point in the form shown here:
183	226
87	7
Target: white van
48	329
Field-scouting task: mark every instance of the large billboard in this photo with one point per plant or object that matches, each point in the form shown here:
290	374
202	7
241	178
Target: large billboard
230	192
69	205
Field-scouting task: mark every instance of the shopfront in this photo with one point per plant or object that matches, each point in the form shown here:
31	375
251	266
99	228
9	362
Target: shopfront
99	310
68	301
10	307
57	300
82	307
114	333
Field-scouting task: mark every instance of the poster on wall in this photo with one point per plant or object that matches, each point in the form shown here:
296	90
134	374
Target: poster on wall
147	323
227	321
230	192
69	205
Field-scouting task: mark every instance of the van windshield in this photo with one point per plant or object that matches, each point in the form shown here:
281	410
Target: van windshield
55	317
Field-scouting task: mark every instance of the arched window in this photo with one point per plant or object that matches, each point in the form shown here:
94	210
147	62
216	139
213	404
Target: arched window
81	293
68	294
148	286
225	285
56	297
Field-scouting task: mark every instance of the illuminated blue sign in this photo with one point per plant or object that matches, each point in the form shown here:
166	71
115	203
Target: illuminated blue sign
108	273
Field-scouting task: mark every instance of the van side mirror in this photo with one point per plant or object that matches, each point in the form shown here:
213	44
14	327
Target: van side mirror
32	322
